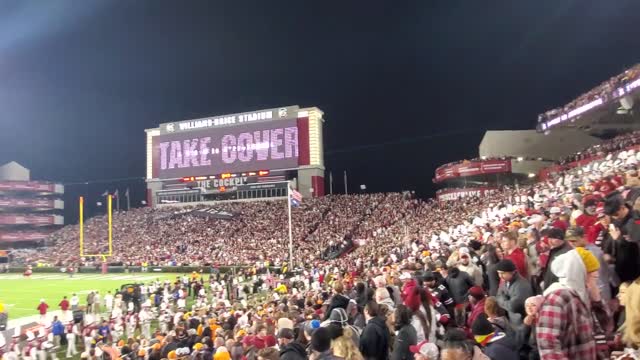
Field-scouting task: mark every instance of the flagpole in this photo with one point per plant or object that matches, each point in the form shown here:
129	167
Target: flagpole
330	183
290	229
118	202
128	200
345	182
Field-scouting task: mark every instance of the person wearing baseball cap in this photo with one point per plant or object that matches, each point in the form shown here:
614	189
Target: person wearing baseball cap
558	247
513	291
425	351
465	264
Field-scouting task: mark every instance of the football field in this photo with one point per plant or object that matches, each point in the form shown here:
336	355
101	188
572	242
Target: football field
21	295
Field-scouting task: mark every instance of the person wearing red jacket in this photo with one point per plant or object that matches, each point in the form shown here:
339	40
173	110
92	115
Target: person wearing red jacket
42	309
64	306
509	244
557	222
588	218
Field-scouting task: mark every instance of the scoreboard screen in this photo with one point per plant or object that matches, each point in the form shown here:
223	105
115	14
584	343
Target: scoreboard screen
233	149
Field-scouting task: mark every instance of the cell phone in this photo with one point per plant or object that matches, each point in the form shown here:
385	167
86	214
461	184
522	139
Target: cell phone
612	227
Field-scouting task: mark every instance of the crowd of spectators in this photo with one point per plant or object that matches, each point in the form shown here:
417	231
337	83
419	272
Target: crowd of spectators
617	143
603	91
547	271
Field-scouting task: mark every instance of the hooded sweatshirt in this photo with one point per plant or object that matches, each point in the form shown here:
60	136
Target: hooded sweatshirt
565	327
571	274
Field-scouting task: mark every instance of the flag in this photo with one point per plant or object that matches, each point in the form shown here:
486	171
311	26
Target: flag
106	192
295	197
126	193
115	194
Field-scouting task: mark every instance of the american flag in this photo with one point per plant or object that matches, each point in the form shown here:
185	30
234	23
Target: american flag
295	198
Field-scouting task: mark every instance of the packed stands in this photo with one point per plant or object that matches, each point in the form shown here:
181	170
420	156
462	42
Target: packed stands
604	90
520	259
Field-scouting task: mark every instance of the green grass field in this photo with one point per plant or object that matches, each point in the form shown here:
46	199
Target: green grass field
21	295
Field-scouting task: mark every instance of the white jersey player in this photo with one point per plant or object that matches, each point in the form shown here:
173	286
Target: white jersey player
145	317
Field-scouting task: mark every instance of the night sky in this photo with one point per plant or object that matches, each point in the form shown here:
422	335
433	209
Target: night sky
405	85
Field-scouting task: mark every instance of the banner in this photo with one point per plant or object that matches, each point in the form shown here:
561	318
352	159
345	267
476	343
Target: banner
456	194
472	168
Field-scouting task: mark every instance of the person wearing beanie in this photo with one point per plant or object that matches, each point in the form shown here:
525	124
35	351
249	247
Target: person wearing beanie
476	300
558	247
513	291
321	345
565	324
459	283
496	345
527	333
339	317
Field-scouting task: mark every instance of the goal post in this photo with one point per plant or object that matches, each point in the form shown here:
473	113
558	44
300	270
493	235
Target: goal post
109	224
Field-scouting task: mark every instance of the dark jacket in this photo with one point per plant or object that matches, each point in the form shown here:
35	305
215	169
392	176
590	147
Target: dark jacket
293	351
548	276
374	342
337	301
405	338
626	251
327	355
501	348
526	336
493	280
459	283
511	297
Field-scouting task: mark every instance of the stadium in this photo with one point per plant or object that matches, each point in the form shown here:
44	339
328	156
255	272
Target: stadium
529	249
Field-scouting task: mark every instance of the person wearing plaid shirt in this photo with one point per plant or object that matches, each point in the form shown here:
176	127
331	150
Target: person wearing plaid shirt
565	326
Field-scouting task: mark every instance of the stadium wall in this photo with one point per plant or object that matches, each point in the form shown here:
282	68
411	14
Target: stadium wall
531	144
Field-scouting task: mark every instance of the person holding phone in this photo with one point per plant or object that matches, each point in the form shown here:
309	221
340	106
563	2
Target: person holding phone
624	233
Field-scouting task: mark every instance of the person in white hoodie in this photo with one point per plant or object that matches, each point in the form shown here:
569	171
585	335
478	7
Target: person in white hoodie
565	326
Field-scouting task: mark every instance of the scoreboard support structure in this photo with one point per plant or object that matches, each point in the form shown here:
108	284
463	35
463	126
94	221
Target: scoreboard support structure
110	229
